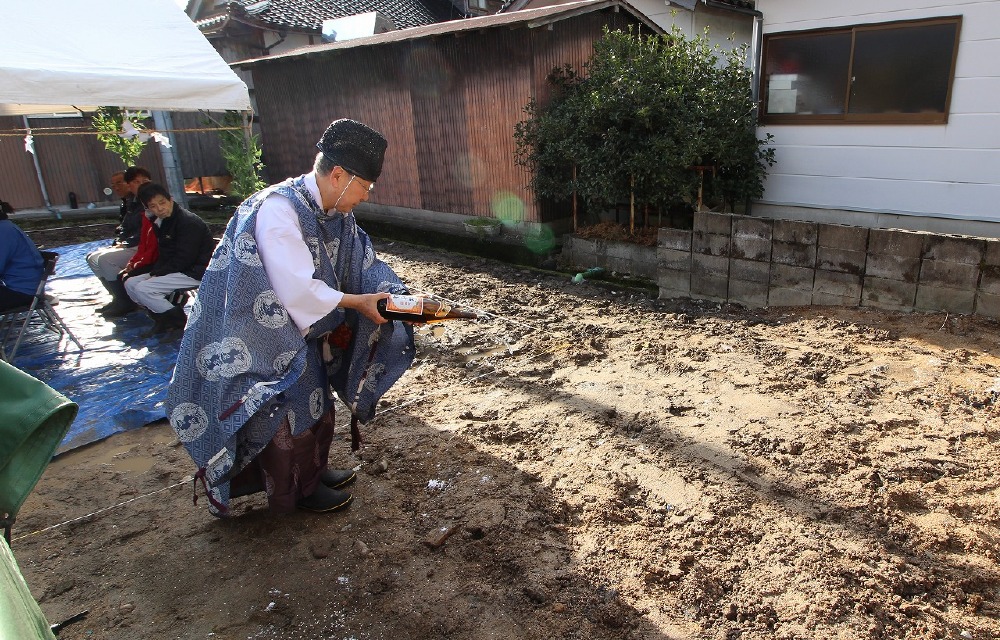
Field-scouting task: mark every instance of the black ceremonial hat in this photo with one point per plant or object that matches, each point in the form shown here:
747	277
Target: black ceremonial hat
356	147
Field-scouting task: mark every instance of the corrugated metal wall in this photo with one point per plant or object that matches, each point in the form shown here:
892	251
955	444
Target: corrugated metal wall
198	152
446	104
69	163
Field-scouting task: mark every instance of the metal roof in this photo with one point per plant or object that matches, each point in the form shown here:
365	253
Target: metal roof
743	5
307	16
529	18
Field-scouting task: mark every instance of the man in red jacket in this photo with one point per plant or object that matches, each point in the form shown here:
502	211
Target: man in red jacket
121	304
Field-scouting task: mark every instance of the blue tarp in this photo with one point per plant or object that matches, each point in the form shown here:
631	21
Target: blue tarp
119	379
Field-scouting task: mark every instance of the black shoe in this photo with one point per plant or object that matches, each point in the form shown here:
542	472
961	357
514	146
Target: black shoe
121	304
118	308
337	478
324	500
166	322
111	289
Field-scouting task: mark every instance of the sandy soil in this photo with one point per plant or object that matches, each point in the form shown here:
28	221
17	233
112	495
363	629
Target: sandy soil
588	463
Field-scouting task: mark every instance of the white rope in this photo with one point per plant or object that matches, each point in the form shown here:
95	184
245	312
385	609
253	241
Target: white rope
100	511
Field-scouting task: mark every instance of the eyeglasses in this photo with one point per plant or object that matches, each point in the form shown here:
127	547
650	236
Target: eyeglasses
370	186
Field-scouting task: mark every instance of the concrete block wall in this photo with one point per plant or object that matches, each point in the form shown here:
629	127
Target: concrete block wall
621	257
760	262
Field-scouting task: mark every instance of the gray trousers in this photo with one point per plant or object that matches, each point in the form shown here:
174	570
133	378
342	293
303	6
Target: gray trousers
151	291
107	262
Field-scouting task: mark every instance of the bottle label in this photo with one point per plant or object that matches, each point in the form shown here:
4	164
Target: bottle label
405	304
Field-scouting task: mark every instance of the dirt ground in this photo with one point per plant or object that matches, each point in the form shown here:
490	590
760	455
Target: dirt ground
587	462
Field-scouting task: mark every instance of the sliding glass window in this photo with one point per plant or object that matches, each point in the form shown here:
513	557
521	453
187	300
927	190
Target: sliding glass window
891	73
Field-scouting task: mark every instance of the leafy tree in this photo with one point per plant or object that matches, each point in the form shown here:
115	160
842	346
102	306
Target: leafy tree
242	155
110	122
645	112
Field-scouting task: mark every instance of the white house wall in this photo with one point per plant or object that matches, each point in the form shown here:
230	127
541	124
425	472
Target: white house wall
725	28
930	177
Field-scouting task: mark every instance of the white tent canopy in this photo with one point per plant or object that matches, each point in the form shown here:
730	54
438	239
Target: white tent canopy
74	55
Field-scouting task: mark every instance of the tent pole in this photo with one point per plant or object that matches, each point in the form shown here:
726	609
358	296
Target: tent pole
175	179
246	130
38	174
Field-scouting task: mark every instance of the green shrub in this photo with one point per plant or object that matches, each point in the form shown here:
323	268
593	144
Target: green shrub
110	123
242	155
644	112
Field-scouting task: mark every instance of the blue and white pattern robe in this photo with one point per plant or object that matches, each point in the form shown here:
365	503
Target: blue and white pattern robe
244	366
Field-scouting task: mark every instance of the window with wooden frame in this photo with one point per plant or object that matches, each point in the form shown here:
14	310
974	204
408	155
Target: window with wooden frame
888	73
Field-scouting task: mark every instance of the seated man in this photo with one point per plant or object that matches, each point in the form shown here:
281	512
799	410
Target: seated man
142	262
107	262
20	266
185	247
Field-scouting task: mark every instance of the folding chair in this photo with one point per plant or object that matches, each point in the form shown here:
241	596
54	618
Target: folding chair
41	307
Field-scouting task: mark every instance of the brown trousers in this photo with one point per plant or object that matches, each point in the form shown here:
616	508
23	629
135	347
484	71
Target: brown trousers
289	467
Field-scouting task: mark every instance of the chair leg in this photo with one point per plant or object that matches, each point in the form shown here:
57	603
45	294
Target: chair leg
63	328
20	334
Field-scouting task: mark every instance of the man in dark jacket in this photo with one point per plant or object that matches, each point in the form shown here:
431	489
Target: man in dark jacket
107	262
185	245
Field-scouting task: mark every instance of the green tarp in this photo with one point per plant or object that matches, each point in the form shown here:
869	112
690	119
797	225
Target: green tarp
33	420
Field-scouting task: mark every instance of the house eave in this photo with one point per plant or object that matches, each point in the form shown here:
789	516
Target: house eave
528	18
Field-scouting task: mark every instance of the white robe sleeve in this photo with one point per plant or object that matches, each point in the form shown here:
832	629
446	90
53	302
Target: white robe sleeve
289	265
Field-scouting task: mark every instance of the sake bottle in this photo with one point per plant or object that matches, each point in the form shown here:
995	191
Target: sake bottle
419	309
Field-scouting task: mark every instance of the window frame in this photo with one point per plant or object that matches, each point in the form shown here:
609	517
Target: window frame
859	118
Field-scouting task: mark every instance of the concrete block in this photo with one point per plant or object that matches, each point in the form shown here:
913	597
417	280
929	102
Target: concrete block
839	236
674	280
587	246
837	285
892	267
954	249
794	231
941	273
793	253
789	277
841	260
710	244
894	242
708	222
751	248
989	280
709	287
750	271
829	300
583	253
782	297
672	293
747	227
715	266
988	305
673	259
944	299
749	294
645	268
677	239
621	250
991	256
893	295
619	265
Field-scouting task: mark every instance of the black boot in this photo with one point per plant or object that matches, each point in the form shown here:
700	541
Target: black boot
107	285
164	323
176	317
121	304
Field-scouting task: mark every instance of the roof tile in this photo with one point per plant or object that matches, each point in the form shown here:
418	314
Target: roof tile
308	15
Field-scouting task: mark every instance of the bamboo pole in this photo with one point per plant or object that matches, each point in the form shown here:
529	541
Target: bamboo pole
631	207
574	198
